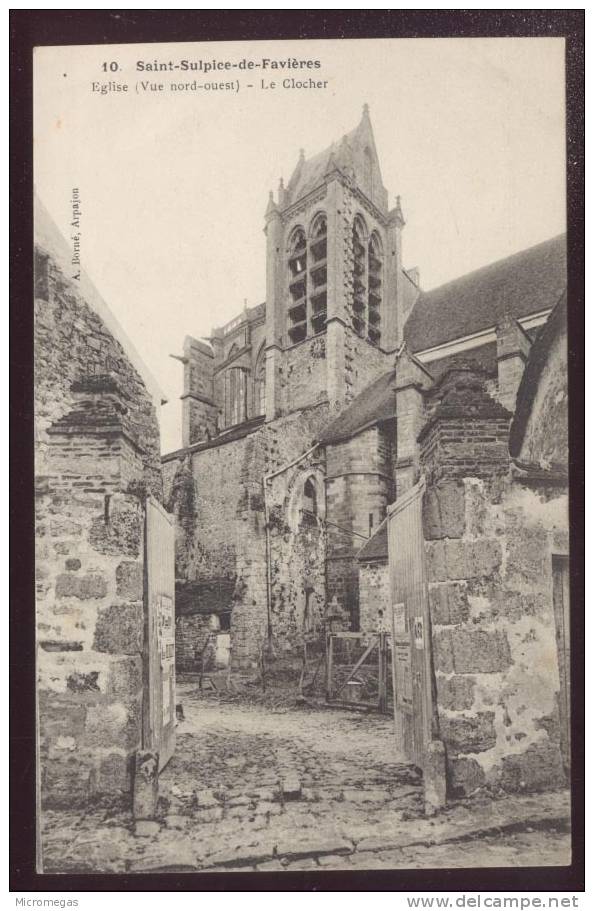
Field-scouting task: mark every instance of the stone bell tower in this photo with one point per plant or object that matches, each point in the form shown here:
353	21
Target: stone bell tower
333	277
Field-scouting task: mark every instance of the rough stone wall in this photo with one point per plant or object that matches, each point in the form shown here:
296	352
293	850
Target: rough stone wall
96	454
363	364
71	343
489	547
359	485
195	642
302	375
545	437
374	595
221	536
297	554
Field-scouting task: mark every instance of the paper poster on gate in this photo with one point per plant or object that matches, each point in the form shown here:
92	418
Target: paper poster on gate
399	618
419	632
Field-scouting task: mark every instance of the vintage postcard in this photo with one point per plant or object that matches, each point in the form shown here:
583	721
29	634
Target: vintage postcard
301	456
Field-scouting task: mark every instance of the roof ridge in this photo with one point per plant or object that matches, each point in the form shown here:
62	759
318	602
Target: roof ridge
494	263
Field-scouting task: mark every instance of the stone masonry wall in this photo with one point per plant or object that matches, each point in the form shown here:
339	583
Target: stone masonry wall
297	554
359	486
489	547
374	595
302	375
364	363
96	455
195	641
225	540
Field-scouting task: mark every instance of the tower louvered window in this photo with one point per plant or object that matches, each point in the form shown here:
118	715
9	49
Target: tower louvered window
374	296
297	286
318	275
359	317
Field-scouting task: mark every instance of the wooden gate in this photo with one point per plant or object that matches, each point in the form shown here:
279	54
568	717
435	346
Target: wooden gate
357	669
411	634
159	628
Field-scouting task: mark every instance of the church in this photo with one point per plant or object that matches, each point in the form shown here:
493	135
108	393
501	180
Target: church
303	417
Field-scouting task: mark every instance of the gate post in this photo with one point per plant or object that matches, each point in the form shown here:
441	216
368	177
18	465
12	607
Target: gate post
328	667
382	667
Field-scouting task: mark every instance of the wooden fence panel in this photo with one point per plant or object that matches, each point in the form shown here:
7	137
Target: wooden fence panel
159	702
410	625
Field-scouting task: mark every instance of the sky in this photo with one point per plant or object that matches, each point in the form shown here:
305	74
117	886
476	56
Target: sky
174	186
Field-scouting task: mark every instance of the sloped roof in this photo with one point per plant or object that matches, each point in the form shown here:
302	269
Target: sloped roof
226	436
376	403
525	283
349	156
377	546
51	241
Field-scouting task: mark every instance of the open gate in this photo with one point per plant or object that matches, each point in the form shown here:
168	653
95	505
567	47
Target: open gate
357	670
159	638
411	633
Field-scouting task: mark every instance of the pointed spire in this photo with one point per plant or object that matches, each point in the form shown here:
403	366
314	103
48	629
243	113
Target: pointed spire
271	208
332	165
366	110
396	214
345	155
301	155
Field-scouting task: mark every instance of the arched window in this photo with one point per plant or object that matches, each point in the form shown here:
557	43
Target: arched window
318	273
310	499
309	620
308	277
235	392
374	297
260	383
359	239
297	261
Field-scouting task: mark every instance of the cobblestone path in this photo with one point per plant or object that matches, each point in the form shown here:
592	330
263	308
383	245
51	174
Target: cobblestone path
251	787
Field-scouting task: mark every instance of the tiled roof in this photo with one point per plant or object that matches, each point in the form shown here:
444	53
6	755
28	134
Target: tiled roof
376	403
377	546
227	436
525	283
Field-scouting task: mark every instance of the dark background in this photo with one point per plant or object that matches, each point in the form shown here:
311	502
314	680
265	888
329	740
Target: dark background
29	28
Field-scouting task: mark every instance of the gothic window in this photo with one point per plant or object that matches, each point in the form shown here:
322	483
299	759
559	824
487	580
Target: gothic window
308	614
359	237
318	274
235	392
374	296
310	500
260	383
297	286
